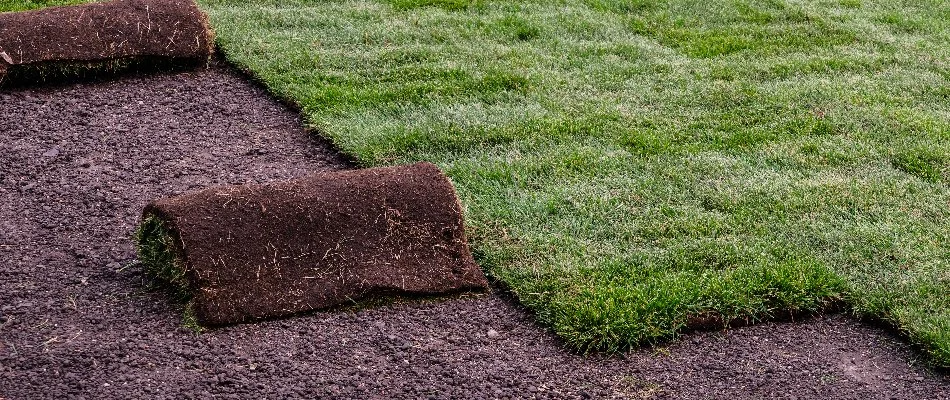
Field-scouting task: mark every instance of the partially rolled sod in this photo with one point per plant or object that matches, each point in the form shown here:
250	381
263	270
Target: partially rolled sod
69	40
241	253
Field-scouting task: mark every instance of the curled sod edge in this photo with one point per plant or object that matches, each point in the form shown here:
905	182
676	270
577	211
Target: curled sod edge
163	268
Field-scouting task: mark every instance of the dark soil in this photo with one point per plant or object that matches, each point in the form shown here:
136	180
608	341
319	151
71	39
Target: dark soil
63	41
266	250
78	163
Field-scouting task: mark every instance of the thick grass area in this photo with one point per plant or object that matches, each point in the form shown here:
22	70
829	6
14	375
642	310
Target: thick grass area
24	5
628	167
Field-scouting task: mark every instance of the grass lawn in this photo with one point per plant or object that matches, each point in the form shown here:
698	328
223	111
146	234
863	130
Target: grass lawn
632	167
23	5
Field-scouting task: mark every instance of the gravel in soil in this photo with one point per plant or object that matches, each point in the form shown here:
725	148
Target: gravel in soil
78	163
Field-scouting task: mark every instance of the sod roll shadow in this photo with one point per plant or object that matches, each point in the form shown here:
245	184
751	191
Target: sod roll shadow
247	252
92	38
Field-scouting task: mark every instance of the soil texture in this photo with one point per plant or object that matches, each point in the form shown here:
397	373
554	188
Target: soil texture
266	250
79	162
69	40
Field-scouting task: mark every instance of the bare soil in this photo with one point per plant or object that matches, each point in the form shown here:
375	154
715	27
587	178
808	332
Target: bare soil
78	163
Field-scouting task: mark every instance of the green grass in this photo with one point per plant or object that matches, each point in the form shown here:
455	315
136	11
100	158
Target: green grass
24	5
629	165
162	267
155	246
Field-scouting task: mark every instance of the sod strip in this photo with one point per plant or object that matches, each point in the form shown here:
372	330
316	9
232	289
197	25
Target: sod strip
101	37
241	253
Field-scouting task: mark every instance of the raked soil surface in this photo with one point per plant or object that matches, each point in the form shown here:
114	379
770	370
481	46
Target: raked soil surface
77	164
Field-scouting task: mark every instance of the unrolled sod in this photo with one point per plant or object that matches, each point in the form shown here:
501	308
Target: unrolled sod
241	253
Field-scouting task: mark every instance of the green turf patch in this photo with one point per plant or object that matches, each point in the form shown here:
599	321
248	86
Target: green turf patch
631	166
924	164
25	5
452	5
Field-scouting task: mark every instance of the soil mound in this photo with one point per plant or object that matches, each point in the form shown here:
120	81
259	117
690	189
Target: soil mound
247	252
80	40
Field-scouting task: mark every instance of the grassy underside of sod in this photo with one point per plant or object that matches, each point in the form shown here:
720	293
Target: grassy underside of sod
163	267
631	166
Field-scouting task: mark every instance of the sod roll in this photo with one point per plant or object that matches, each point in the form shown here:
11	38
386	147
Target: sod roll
247	252
71	40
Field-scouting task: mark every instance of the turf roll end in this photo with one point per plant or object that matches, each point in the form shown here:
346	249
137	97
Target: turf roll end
90	39
242	253
161	258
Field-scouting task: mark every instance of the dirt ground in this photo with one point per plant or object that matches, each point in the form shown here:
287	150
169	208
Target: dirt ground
77	164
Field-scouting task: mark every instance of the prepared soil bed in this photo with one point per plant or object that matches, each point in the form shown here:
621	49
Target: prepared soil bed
79	162
60	42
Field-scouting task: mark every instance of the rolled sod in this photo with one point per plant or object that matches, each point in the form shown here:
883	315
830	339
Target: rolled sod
241	253
75	40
